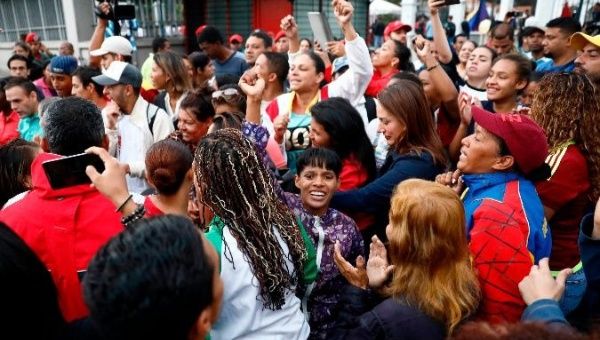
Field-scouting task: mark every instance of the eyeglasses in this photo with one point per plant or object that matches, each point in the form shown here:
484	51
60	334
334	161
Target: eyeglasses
228	95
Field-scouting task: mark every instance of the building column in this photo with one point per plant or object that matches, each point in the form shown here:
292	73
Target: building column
547	10
409	12
458	14
71	25
506	6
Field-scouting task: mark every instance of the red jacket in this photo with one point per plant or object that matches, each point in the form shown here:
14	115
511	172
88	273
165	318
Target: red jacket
379	82
64	228
8	127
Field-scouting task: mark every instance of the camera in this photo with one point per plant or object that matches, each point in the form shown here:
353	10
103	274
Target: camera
118	11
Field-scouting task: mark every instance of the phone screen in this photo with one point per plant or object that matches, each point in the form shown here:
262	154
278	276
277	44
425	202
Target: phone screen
70	171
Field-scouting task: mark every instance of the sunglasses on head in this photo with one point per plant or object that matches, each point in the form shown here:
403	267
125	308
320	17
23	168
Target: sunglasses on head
227	94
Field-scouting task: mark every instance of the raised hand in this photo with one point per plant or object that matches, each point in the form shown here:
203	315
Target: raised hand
378	268
343	11
435	5
356	276
465	102
540	284
252	85
289	26
452	179
111	182
280	126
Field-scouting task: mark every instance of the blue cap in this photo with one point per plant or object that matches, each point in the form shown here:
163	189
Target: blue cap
63	64
338	63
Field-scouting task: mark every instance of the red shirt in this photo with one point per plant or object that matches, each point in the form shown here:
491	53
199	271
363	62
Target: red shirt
65	228
151	209
379	82
565	192
8	127
445	127
353	175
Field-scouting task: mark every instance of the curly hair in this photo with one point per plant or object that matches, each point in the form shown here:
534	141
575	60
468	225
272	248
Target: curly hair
236	186
566	107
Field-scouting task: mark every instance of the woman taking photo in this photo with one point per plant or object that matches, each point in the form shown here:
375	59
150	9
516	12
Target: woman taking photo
564	108
428	286
169	74
337	125
289	111
415	151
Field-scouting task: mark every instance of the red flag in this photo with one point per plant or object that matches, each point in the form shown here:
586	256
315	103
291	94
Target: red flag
566	11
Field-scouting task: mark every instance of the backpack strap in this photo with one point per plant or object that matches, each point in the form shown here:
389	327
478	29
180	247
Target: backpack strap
151	118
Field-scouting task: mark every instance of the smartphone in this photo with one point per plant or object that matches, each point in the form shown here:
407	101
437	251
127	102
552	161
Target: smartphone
69	171
320	27
451	2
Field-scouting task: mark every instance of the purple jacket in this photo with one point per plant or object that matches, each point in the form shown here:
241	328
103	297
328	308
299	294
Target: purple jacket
322	297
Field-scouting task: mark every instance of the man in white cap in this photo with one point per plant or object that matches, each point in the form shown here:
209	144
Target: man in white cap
140	124
588	60
113	48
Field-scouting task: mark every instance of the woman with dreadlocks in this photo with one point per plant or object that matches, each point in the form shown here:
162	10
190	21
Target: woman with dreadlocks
565	108
263	250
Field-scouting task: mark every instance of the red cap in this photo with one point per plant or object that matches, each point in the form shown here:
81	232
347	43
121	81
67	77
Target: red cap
235	37
524	138
279	35
396	26
31	37
199	30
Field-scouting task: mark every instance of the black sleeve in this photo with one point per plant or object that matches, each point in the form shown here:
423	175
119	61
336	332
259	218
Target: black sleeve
356	320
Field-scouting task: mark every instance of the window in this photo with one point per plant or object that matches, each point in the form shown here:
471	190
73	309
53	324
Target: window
44	17
159	18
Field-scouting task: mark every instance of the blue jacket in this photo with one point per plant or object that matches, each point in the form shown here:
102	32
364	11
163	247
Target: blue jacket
507	235
493	186
374	198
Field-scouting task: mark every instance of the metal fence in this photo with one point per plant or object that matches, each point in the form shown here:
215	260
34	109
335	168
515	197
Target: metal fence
159	17
45	17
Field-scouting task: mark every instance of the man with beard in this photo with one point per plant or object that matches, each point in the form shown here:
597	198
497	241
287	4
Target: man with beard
588	61
557	46
534	36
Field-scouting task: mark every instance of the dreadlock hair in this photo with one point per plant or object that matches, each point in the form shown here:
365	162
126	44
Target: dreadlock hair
565	106
237	187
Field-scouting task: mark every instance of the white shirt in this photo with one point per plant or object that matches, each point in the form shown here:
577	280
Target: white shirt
173	114
135	139
243	315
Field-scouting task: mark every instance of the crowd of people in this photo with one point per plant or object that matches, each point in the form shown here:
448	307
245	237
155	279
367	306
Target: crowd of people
432	188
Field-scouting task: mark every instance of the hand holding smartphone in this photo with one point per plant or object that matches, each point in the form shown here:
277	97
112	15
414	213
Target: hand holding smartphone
69	171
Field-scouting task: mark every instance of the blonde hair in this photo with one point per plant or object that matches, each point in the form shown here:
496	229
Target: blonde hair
428	246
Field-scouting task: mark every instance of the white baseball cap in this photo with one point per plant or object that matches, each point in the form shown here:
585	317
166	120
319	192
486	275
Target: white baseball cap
115	44
120	72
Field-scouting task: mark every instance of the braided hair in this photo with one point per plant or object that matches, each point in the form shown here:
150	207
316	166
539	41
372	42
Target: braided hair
236	186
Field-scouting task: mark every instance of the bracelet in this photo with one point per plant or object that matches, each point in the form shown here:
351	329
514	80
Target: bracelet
432	67
139	213
124	202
